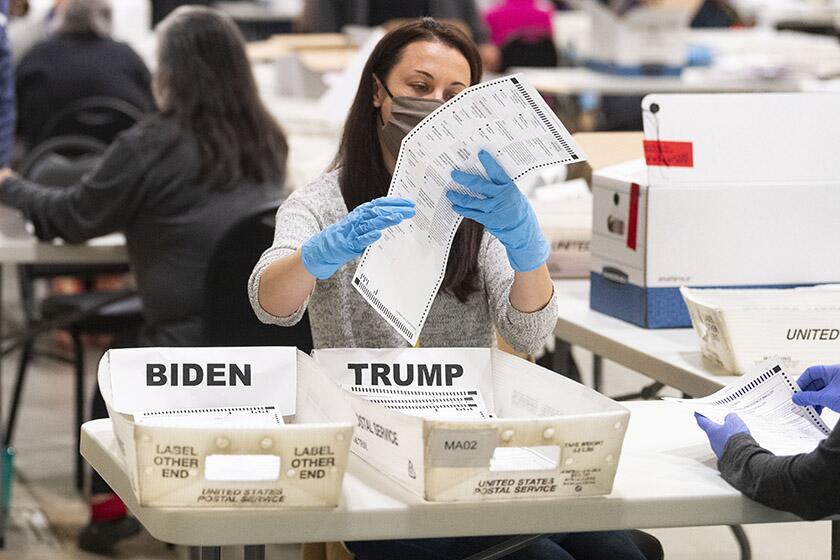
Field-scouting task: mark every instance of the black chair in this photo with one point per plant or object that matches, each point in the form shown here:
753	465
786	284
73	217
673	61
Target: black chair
228	317
102	118
61	162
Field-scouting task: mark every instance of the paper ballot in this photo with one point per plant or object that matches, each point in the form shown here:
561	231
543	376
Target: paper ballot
400	274
213	417
763	401
455	404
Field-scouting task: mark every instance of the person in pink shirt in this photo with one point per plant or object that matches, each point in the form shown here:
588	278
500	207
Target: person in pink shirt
525	18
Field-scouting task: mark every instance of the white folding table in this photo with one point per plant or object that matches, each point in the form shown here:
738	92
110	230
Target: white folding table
666	478
670	356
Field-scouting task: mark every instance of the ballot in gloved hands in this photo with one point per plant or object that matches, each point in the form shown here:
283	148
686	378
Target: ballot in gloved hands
719	434
504	212
341	242
820	387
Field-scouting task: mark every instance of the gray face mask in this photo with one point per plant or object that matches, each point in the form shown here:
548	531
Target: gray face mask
406	113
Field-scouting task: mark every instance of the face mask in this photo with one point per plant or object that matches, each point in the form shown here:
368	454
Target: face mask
406	113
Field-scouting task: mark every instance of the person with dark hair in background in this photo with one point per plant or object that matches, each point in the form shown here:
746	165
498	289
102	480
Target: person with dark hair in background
80	60
495	276
330	16
174	183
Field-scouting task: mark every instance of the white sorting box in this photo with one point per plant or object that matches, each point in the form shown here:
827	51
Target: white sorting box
724	199
544	435
205	427
741	328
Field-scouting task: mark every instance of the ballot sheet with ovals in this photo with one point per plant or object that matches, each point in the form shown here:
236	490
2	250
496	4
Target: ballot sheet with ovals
437	403
762	399
401	273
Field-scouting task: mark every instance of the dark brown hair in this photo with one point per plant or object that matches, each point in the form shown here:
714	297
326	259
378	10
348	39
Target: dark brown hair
362	174
204	82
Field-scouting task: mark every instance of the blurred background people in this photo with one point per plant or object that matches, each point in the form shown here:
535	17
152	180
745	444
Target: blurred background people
174	183
522	31
327	16
80	60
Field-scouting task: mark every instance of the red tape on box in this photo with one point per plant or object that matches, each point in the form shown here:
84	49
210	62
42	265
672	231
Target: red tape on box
669	154
633	217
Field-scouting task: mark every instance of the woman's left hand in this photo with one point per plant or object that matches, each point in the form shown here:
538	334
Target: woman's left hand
504	212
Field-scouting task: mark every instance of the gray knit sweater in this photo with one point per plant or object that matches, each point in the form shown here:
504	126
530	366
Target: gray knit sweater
340	318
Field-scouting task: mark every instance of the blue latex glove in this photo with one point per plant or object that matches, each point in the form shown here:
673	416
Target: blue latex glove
719	434
343	241
820	387
503	211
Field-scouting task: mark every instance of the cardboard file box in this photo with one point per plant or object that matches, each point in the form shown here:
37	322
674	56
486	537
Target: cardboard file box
576	432
210	463
741	328
721	200
648	241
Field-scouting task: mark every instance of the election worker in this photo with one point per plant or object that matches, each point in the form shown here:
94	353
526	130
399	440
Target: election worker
173	184
495	277
807	484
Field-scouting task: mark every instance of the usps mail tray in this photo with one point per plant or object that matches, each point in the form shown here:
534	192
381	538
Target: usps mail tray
225	427
738	329
536	434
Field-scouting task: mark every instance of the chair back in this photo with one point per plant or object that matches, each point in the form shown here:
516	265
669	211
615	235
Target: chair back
228	319
529	50
102	118
61	162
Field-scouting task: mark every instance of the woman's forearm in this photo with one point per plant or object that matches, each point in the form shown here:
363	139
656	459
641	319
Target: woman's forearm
531	291
285	285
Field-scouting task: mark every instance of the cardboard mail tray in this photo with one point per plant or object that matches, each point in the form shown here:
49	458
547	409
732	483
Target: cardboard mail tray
648	241
739	329
543	436
225	427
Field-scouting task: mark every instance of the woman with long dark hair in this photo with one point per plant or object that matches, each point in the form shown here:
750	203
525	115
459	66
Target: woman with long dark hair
324	226
173	184
496	273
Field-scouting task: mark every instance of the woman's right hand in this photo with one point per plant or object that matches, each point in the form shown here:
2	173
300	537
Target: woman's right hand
341	242
820	387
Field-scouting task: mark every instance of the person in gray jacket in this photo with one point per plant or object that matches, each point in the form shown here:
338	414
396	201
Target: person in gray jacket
173	184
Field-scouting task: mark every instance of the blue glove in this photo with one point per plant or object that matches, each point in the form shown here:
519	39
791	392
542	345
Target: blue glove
504	211
719	434
820	387
343	241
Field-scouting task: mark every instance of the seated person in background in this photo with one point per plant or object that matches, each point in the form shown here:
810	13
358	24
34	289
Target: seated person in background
496	274
174	183
807	484
80	60
330	16
522	30
513	17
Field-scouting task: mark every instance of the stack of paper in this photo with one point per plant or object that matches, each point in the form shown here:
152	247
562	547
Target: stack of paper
740	328
460	404
214	417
